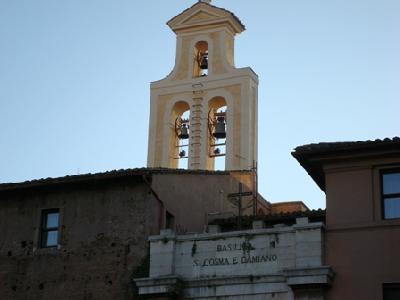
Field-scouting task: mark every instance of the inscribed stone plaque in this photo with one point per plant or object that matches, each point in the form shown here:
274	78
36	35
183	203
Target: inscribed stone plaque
240	255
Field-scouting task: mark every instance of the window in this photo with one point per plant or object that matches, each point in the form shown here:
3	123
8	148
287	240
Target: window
391	194
49	228
391	291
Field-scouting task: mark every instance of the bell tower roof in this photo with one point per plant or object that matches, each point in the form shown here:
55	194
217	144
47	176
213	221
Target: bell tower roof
204	14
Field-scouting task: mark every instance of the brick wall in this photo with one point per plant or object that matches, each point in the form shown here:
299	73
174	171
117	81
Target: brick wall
103	239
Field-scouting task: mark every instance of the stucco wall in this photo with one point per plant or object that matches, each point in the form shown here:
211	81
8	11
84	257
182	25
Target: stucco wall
104	229
363	259
362	248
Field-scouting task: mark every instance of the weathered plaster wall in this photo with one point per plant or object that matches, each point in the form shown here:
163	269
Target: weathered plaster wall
191	197
104	228
103	233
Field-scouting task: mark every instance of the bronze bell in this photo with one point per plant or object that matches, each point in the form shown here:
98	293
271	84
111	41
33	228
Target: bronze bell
182	154
204	61
220	132
184	132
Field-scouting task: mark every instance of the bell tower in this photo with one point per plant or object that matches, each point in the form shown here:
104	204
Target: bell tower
204	114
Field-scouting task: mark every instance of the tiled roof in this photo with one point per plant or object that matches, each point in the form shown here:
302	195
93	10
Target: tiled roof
345	146
306	154
270	220
225	10
115	174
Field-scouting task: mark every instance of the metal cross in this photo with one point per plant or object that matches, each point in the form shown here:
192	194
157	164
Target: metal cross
236	199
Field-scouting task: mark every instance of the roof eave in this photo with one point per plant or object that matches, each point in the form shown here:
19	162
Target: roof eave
313	159
315	171
234	27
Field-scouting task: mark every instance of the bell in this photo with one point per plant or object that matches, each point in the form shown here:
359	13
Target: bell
220	132
184	132
204	61
217	151
182	154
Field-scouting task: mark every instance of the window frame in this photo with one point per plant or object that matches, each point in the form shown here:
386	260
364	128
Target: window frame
44	230
384	196
389	286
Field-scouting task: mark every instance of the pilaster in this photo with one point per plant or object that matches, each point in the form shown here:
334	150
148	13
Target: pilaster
196	133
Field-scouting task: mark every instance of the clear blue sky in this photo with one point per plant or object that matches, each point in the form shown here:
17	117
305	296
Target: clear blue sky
74	81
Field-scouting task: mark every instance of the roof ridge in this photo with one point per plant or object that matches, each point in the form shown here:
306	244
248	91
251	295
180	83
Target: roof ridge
320	145
105	175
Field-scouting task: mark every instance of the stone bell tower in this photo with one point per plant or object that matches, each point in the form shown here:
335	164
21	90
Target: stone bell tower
205	110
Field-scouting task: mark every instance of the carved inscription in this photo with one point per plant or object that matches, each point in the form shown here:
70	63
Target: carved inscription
245	256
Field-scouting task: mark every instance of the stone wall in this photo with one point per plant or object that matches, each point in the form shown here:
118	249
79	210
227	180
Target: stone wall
103	240
282	262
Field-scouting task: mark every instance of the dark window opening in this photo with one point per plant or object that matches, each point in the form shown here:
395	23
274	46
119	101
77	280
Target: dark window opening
391	291
390	187
169	220
49	228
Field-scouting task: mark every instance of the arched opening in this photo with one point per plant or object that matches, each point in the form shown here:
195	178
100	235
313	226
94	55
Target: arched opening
179	142
201	62
217	124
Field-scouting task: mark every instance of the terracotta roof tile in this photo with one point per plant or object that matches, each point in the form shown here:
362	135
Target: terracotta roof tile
306	155
340	146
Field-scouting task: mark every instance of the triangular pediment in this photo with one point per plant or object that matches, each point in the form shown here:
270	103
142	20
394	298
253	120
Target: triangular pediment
204	14
199	17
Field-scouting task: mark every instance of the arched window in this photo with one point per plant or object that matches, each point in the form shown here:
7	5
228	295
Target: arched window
217	124
201	62
179	142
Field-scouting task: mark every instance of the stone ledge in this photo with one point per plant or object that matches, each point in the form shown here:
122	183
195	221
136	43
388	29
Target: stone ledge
234	280
159	285
309	276
309	226
237	285
224	235
244	290
212	287
238	73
